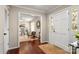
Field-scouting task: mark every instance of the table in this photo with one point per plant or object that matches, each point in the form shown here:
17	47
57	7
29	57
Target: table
75	46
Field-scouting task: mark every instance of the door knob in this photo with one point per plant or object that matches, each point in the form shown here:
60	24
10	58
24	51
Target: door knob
53	30
5	33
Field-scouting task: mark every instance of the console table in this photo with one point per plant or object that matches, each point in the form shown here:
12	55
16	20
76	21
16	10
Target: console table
75	46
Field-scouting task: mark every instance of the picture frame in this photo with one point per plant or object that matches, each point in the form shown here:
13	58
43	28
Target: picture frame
38	24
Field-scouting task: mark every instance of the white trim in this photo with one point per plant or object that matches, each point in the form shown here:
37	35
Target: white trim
18	29
66	48
32	14
52	13
6	8
30	9
19	15
13	48
41	30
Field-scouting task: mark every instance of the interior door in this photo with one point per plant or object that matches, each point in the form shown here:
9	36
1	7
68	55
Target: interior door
61	32
1	29
6	31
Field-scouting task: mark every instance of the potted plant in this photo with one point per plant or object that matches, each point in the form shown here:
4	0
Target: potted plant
77	36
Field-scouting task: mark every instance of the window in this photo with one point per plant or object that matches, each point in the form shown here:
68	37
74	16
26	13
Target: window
32	26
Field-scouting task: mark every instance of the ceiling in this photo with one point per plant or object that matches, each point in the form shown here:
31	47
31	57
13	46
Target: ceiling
42	8
45	8
26	17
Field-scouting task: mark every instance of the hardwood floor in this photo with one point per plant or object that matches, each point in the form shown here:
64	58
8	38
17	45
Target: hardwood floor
13	51
27	47
52	49
32	47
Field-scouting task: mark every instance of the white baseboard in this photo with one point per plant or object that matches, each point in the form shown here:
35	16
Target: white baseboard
43	41
13	48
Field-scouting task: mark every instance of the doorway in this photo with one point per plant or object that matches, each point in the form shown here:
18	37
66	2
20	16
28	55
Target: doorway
29	31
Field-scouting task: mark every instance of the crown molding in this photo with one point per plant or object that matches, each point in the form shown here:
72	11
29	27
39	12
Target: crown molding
28	8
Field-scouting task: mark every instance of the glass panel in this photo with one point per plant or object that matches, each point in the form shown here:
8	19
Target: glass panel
74	19
52	24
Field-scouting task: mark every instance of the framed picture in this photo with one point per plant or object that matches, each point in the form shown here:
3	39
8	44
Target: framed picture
38	24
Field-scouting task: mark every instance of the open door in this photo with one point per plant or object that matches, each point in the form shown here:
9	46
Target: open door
6	31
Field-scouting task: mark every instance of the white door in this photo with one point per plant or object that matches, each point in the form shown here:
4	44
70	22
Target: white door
61	32
1	29
6	31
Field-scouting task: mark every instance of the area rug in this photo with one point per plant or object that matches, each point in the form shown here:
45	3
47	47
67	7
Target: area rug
51	49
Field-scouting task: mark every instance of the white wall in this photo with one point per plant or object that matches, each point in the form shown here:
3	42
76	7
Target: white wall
14	24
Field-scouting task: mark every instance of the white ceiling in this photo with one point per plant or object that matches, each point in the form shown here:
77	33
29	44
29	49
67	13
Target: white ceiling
26	17
43	8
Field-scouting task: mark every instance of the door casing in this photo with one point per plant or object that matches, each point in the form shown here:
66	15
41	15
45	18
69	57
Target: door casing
6	29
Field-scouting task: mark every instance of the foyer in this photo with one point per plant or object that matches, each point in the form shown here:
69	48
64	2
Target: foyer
39	29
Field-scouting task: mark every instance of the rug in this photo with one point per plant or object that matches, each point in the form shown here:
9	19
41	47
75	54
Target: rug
51	49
